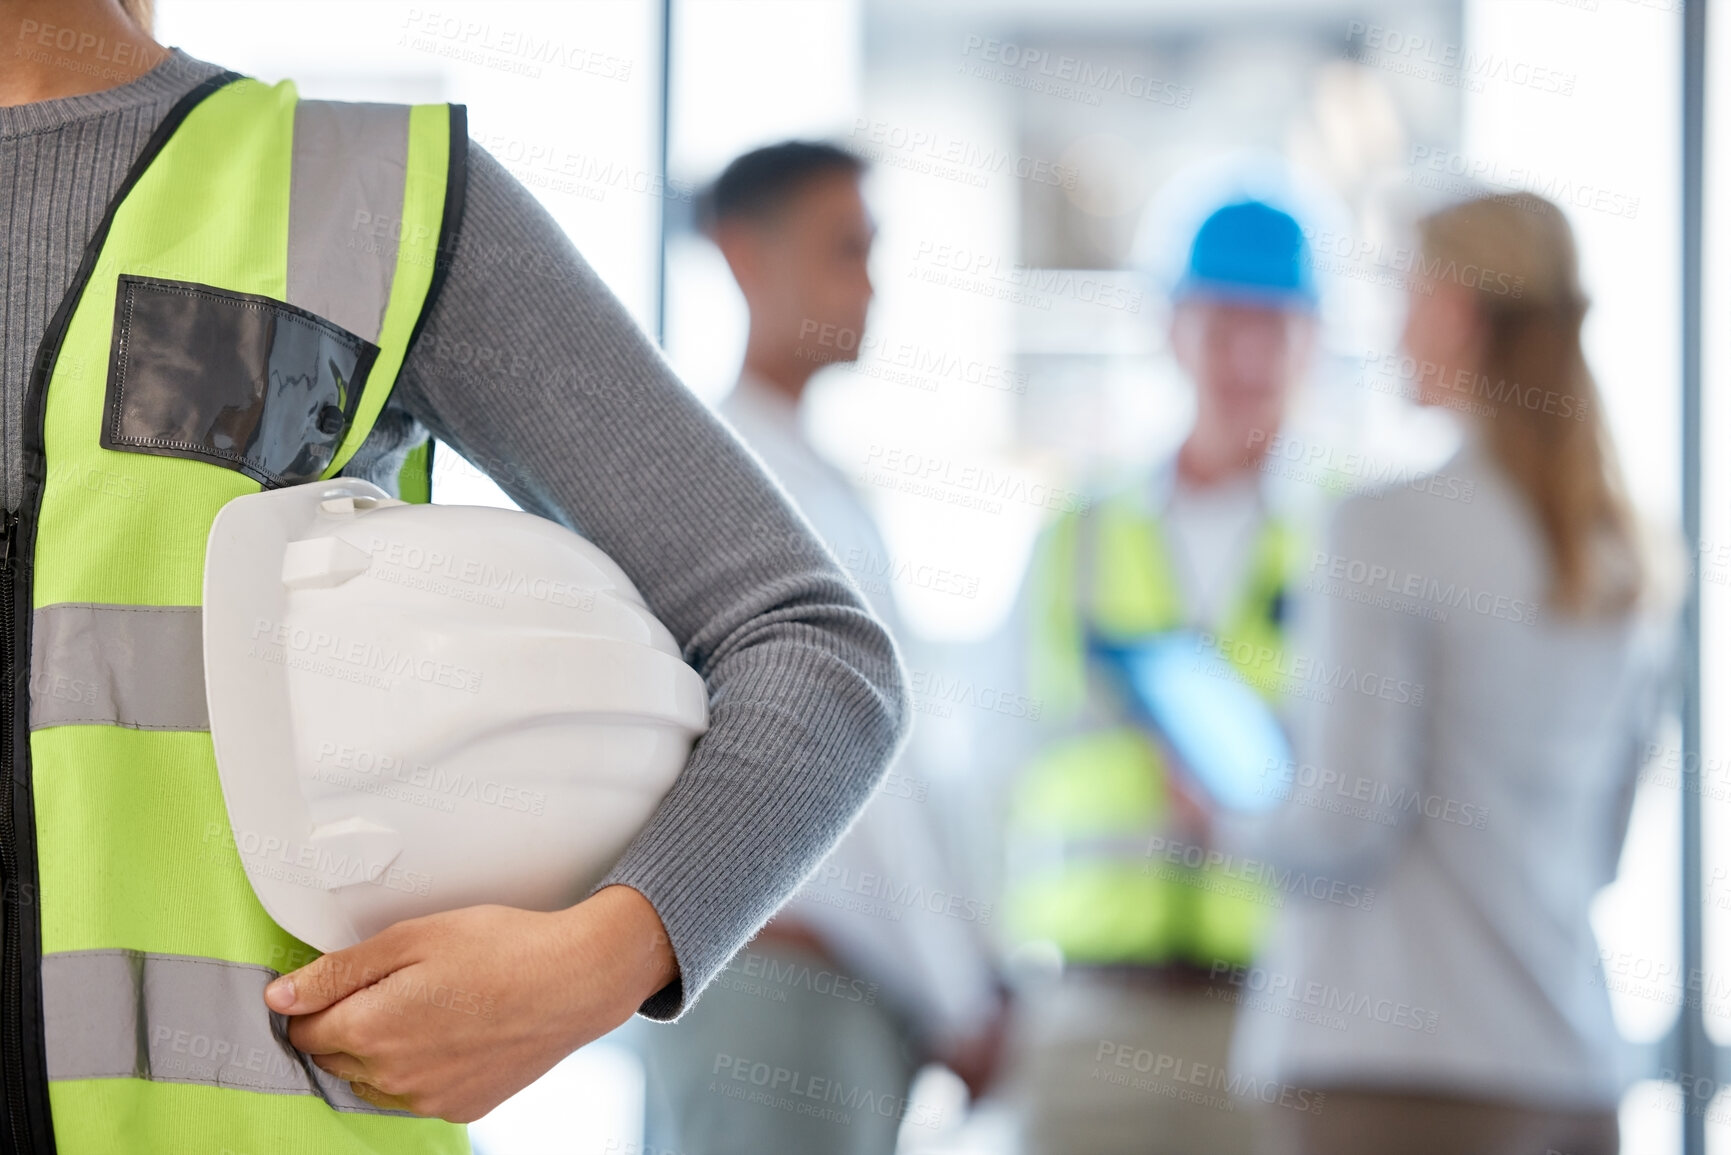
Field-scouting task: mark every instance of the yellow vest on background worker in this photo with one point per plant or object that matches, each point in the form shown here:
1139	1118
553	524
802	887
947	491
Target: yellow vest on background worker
1098	870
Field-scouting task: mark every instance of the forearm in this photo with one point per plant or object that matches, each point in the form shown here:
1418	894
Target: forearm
770	790
532	370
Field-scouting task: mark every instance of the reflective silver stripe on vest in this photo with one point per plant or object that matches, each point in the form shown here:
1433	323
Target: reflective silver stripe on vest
346	210
126	1014
141	667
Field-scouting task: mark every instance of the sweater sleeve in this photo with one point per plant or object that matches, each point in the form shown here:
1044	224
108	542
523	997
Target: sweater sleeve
531	369
1355	744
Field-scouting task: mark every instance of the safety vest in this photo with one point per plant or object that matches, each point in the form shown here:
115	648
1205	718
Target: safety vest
237	322
1094	868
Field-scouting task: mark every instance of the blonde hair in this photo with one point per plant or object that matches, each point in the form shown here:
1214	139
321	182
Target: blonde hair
1537	403
142	12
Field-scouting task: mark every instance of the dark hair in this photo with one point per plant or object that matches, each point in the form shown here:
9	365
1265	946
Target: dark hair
759	183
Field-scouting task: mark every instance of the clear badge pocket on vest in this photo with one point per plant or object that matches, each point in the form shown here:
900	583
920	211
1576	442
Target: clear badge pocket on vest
237	380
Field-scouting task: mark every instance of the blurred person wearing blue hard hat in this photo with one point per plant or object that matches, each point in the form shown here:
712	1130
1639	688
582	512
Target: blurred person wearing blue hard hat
1109	859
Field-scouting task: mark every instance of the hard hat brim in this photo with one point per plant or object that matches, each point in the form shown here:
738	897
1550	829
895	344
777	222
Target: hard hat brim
245	689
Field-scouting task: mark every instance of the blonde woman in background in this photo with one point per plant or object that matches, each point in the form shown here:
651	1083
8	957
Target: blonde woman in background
1434	986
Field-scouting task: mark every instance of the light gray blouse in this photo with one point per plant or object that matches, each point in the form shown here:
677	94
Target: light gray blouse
1463	774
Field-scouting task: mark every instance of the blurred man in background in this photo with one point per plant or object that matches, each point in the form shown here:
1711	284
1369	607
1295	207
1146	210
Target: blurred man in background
862	978
1109	855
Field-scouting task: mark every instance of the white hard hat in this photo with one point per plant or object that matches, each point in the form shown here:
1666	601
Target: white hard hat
422	707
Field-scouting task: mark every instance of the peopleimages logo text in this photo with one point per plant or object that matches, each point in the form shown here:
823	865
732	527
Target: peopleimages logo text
935	470
304	648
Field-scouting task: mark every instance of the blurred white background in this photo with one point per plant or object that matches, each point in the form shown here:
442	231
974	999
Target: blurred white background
1025	369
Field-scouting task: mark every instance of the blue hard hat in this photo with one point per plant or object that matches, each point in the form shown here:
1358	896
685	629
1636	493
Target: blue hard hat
1250	252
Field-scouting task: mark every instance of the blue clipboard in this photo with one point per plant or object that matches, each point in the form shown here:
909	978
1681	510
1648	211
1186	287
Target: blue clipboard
1226	737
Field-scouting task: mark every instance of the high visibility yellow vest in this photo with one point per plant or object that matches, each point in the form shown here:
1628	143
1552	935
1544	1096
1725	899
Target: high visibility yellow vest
237	323
1093	868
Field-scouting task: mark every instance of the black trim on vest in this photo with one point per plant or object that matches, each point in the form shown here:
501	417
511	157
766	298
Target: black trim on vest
28	1125
450	229
450	226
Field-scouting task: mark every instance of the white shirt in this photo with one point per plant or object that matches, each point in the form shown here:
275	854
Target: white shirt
1479	779
1210	534
929	961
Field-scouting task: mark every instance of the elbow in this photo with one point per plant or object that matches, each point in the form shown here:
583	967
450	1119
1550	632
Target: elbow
892	690
880	687
807	647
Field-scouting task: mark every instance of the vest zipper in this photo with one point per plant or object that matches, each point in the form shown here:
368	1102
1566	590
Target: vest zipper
16	893
29	1127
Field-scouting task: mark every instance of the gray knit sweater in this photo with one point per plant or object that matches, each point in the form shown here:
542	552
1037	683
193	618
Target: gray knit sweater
531	368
